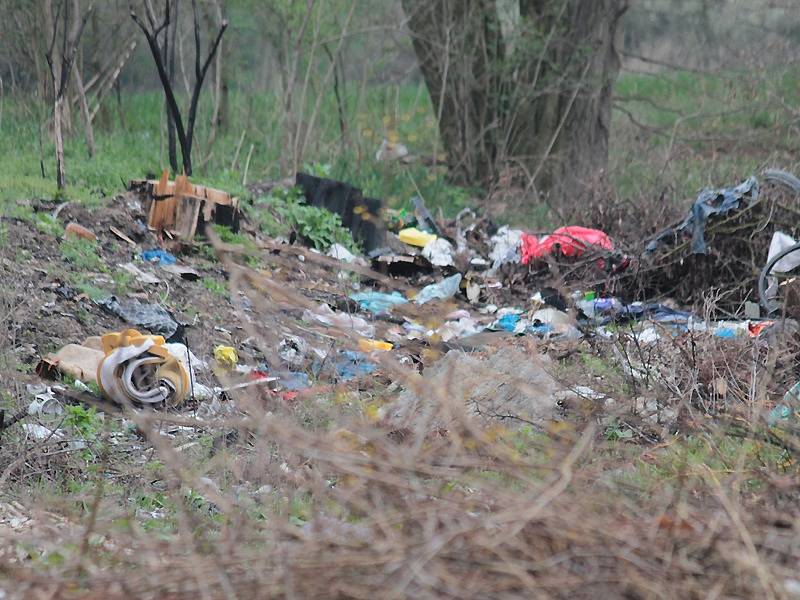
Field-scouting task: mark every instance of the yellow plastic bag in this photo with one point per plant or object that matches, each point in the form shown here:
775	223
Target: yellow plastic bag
371	345
226	356
414	237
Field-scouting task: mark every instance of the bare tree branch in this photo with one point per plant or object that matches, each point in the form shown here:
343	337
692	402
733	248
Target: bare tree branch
185	131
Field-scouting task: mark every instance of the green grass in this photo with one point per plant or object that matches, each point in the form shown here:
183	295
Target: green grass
699	455
700	130
213	285
82	255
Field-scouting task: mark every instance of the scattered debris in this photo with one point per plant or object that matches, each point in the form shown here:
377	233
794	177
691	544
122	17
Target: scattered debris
709	203
352	365
339	252
374	345
121	235
324	314
423	216
45	402
79	361
140	275
446	288
414	237
159	256
362	216
226	356
63	291
509	386
506	246
181	271
783	257
439	252
40	433
498	284
390	151
569	241
715	246
149	317
378	302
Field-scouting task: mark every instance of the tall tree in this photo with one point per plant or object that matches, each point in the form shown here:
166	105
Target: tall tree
528	87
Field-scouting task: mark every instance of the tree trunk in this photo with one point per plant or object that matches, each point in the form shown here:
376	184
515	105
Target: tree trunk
535	98
459	44
221	74
58	114
170	37
571	115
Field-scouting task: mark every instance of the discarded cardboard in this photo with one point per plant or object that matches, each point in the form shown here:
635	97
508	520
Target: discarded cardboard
75	360
182	208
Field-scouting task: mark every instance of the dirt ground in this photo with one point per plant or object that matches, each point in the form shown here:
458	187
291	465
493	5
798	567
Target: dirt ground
40	320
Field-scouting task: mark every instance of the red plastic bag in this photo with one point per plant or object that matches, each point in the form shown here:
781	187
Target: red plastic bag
572	241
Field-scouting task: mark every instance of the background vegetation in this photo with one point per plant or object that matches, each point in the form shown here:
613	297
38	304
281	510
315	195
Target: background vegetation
707	94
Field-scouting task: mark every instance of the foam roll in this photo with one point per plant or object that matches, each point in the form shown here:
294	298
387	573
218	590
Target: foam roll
137	369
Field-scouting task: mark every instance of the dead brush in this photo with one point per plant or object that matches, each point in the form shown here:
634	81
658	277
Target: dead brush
464	514
694	380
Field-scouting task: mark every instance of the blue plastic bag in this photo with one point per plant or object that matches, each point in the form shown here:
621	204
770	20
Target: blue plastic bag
162	257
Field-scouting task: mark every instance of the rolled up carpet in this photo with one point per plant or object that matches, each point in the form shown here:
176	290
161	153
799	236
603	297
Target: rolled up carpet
139	370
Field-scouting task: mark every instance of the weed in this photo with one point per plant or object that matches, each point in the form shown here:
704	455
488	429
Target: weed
18	211
319	226
122	282
207	251
151	502
85	421
82	254
24	367
227	235
48	224
218	287
318	169
95	293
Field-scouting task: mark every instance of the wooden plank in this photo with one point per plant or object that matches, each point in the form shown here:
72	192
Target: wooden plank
159	216
121	235
167	188
188	208
176	205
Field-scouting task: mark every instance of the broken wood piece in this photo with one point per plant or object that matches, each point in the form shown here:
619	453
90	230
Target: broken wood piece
159	216
187	216
75	230
140	275
121	235
184	207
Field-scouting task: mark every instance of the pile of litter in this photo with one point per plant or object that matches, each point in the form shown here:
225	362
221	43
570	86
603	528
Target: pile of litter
721	245
427	288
